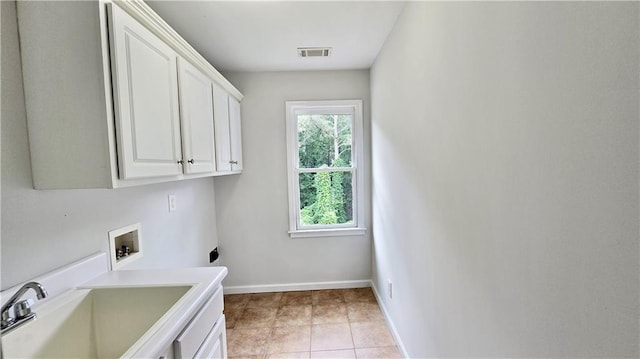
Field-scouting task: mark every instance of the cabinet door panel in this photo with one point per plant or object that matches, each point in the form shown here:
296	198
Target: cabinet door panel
235	134
215	345
196	114
221	121
146	100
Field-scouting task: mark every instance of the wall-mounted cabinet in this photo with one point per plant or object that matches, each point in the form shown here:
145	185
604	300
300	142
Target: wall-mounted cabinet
145	97
235	134
116	98
228	132
196	111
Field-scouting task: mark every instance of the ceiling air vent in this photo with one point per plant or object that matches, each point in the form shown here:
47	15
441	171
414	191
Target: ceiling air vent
314	51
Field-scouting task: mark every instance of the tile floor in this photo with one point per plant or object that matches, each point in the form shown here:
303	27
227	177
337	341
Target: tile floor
336	323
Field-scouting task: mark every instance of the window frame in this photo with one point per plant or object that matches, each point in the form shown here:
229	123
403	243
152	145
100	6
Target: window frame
354	107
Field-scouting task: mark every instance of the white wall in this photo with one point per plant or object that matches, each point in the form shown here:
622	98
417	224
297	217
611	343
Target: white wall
252	208
42	230
505	179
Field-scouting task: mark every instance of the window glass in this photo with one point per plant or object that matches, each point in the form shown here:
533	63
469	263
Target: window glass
324	155
324	140
326	198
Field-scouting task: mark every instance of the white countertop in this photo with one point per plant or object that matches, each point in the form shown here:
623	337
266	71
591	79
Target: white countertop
75	279
197	276
202	280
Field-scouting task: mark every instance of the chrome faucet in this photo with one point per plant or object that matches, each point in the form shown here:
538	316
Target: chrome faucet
22	309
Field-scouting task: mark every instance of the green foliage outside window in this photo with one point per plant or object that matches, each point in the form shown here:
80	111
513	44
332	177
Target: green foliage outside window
324	141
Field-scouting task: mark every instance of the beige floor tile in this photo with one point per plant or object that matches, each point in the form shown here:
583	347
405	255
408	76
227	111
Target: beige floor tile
303	355
371	334
247	341
236	298
290	339
378	353
331	337
296	298
262	300
334	354
232	317
236	302
257	318
359	295
293	315
364	312
330	313
328	296
237	307
286	325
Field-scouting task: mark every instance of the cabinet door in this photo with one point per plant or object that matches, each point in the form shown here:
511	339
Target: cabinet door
196	119
145	93
215	345
235	134
221	122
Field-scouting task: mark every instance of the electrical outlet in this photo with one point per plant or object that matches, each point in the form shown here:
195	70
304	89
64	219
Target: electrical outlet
390	289
213	255
172	202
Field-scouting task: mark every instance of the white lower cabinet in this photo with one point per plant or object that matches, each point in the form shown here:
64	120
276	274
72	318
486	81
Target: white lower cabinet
167	353
215	345
205	335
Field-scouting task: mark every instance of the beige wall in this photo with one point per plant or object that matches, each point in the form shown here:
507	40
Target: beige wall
42	230
252	209
505	179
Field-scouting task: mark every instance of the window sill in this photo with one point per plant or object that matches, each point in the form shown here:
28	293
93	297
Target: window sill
337	232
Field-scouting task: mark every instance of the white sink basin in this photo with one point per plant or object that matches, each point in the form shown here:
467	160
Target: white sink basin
92	323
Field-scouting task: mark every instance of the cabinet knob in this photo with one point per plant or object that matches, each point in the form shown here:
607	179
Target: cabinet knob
233	162
180	162
191	161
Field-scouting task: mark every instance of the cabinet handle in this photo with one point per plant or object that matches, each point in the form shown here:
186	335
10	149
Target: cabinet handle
180	162
233	162
191	161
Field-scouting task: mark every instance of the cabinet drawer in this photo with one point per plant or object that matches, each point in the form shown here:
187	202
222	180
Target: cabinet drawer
187	343
215	345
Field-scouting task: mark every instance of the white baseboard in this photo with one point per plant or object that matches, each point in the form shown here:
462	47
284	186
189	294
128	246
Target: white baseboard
289	287
390	324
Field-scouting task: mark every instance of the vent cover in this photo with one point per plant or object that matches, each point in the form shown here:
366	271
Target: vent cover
314	51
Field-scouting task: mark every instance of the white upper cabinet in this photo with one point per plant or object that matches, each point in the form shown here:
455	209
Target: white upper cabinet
145	95
196	112
228	132
235	134
116	98
223	137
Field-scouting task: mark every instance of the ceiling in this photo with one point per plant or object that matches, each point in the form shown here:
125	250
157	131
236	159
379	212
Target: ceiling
264	35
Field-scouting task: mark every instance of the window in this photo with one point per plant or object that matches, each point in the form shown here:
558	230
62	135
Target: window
325	156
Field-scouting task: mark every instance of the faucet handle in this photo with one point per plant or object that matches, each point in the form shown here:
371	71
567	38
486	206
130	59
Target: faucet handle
23	308
7	320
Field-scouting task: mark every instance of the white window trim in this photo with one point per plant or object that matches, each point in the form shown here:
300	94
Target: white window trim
319	107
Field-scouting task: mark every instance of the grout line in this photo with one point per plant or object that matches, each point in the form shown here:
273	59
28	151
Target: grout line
272	326
353	342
